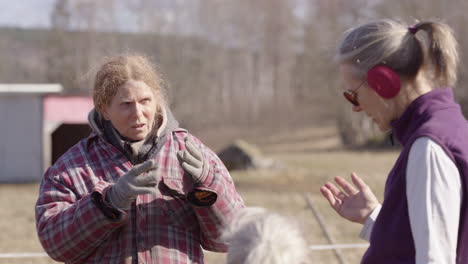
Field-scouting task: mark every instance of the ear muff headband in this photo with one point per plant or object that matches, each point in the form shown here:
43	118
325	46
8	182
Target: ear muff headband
384	81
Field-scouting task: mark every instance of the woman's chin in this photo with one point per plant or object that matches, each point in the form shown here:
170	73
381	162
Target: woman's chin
383	128
137	136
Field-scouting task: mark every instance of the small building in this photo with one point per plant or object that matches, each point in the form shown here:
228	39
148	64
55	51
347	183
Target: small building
37	127
65	123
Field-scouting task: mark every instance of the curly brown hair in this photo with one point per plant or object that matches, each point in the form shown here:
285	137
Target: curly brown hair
118	70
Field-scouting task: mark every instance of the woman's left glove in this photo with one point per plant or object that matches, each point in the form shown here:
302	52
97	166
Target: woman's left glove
192	160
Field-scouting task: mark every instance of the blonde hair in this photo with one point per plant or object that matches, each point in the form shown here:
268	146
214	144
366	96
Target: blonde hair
400	47
118	70
258	236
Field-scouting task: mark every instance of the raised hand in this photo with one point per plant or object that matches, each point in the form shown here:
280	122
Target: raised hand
354	203
141	179
192	160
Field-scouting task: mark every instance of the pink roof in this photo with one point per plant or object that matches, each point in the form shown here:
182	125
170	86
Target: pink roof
67	109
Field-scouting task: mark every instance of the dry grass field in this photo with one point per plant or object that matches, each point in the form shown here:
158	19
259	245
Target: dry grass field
307	164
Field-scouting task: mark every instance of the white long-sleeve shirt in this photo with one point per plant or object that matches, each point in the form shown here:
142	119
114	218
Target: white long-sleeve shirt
434	193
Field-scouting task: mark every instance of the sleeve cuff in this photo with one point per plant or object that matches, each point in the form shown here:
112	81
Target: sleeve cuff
369	224
110	212
202	198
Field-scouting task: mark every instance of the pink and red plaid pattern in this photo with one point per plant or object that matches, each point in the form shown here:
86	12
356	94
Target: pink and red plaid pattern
163	228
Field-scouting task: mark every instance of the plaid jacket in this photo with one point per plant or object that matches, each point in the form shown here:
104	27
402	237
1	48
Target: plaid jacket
162	228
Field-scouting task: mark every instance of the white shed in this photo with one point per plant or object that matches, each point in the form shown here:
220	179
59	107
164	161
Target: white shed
21	133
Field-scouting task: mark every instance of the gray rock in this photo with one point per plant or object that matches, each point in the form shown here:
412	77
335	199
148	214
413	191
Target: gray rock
242	156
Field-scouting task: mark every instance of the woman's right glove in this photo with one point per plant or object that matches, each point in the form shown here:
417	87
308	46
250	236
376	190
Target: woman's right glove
141	179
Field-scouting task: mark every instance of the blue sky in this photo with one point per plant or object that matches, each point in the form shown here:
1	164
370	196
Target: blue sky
36	13
25	13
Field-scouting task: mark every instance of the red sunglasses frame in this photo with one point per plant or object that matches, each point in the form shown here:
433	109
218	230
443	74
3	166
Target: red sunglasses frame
351	95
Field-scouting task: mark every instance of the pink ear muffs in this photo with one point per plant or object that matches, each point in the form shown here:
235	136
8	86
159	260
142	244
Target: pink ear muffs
384	81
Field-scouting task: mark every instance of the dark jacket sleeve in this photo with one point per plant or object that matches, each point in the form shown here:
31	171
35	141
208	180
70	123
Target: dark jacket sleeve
70	229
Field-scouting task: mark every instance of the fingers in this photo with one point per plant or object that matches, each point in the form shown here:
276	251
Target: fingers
332	200
347	187
144	167
190	169
145	190
192	149
188	158
146	180
335	191
360	184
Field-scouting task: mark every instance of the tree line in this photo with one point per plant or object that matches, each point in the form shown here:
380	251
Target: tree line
241	64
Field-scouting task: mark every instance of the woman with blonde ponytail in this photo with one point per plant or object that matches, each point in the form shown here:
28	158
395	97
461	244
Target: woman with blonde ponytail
402	77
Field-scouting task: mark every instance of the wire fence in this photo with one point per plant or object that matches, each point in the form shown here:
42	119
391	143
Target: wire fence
331	246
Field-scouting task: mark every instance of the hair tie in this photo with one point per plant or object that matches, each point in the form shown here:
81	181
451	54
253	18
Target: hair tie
413	29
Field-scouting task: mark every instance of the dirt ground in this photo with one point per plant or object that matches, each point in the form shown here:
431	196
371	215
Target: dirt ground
282	190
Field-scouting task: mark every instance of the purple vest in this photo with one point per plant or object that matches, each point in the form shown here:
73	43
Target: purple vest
437	116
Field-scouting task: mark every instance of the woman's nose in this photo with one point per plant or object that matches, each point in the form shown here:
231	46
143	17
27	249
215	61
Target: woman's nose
357	108
137	109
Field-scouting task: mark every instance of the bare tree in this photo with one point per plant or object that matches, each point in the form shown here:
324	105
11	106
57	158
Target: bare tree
59	59
240	62
257	72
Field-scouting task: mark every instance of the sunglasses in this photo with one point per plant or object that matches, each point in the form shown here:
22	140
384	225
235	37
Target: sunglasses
351	95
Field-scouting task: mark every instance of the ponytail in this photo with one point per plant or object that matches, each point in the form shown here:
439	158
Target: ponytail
442	51
401	48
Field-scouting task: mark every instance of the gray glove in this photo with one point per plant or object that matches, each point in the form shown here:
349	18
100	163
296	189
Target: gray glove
141	179
192	160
